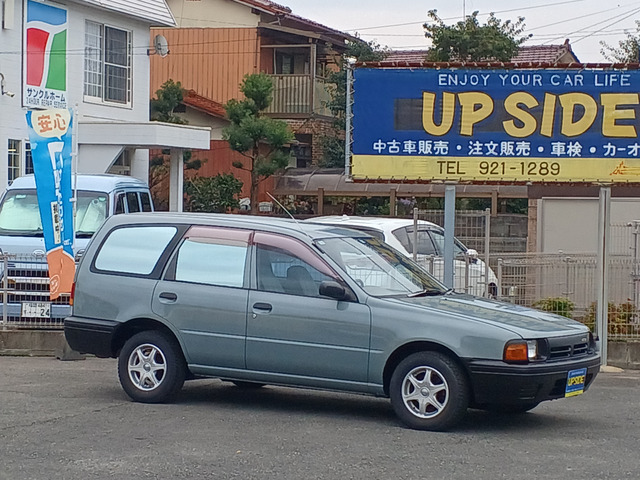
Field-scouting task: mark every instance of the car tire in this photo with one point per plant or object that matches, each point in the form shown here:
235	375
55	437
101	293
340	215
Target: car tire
151	367
429	391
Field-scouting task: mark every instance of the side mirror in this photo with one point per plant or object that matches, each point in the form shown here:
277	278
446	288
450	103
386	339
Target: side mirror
473	255
332	289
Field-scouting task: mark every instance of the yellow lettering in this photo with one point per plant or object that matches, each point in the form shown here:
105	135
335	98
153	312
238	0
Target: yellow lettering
512	106
447	112
548	113
610	113
576	380
569	101
471	115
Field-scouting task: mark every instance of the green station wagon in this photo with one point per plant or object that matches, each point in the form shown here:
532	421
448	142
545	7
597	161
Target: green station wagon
260	300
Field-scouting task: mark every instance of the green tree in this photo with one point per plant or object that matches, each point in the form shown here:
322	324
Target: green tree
333	145
213	194
467	40
261	140
162	107
167	98
627	51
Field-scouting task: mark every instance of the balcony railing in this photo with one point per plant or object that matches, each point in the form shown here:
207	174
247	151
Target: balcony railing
299	94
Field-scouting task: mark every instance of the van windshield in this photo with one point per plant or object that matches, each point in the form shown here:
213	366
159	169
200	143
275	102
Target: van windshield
19	214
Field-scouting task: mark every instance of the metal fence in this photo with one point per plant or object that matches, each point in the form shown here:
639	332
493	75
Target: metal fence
559	282
566	285
25	294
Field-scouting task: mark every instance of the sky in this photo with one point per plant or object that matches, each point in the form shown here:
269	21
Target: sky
398	23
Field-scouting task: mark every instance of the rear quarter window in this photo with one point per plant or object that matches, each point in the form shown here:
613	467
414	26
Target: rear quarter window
134	250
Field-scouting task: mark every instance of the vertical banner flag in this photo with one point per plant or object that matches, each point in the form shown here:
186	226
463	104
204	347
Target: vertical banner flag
51	144
45	63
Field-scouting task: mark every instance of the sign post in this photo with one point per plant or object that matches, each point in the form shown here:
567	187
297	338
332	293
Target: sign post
602	300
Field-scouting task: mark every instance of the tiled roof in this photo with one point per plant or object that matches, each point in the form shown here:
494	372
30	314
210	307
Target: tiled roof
545	53
527	53
266	5
412	56
281	10
203	104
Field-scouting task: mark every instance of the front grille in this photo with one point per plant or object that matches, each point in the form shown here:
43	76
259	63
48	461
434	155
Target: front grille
570	347
567	351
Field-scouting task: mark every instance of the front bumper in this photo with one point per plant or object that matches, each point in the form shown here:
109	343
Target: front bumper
499	383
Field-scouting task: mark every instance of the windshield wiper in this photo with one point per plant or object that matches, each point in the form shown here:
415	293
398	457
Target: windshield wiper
427	293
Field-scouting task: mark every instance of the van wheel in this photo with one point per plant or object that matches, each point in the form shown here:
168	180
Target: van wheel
429	391
151	367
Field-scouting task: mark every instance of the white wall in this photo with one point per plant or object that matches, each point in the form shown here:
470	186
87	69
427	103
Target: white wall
571	224
212	14
12	114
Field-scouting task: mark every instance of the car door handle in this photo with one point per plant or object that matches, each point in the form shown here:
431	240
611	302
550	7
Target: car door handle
172	297
262	307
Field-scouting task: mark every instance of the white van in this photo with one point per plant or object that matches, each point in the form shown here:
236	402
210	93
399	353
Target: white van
22	240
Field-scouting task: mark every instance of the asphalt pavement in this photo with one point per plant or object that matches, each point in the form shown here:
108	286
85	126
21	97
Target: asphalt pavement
71	420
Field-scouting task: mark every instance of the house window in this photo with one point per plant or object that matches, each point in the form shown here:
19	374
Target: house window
13	165
28	159
107	63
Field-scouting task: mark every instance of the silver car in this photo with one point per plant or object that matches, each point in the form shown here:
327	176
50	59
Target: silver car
259	300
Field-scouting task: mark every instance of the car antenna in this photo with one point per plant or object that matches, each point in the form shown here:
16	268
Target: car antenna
290	215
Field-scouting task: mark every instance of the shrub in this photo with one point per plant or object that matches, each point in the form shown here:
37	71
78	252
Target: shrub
558	305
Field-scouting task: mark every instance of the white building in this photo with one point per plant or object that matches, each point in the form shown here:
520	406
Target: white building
91	55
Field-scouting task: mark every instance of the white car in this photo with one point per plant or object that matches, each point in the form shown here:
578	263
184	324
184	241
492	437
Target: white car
469	275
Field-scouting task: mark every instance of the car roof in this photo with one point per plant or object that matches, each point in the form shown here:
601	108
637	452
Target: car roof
303	230
101	182
379	223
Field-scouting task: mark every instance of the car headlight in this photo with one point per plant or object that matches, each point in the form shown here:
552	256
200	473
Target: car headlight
520	351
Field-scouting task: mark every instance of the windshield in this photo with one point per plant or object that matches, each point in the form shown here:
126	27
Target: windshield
378	269
19	214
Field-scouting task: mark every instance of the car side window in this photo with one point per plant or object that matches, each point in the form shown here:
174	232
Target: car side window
425	243
438	239
213	256
119	206
132	202
285	265
145	199
134	250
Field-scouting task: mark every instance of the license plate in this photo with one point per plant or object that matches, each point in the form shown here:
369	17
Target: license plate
36	310
575	382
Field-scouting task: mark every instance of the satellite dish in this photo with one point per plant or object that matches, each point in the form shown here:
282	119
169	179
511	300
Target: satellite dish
160	45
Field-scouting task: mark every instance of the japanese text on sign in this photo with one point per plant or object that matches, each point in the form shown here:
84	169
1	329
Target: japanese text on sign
529	125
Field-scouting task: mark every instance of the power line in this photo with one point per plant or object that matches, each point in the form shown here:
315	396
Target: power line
607	26
456	18
628	14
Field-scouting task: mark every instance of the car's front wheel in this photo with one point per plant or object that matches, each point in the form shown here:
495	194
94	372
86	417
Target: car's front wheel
429	391
151	367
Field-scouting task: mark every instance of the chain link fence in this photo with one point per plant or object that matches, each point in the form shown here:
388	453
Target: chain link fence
557	282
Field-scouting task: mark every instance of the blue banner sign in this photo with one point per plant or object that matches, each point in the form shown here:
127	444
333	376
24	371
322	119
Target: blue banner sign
496	125
50	133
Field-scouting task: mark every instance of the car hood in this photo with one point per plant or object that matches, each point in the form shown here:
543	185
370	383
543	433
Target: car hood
521	320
